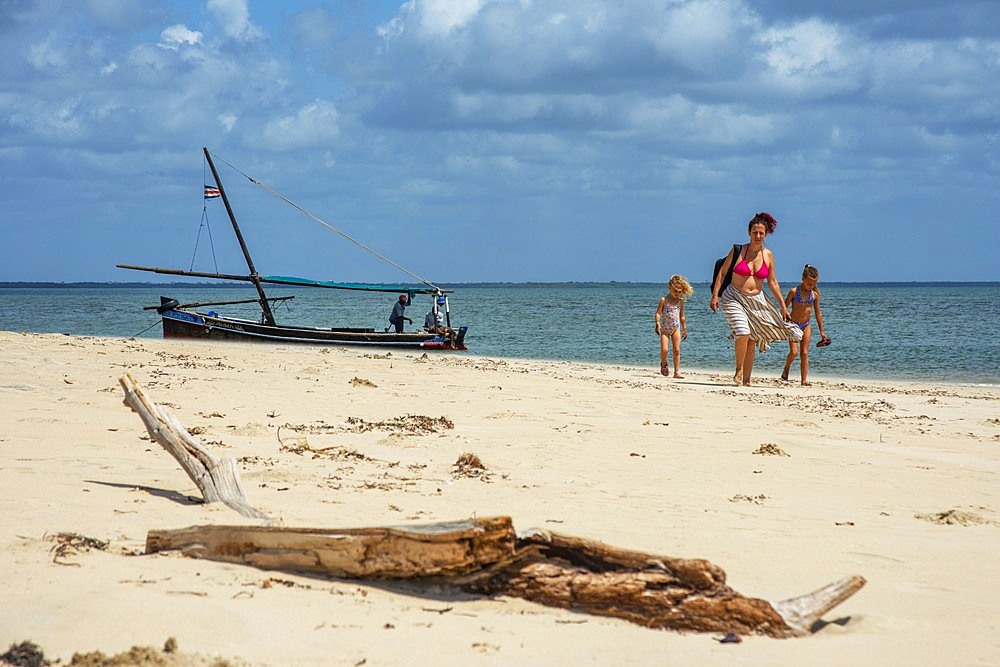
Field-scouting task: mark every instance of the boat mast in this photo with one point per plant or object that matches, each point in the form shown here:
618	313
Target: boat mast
254	278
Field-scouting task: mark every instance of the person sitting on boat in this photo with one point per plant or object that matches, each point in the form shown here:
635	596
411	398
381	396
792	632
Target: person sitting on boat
396	317
434	320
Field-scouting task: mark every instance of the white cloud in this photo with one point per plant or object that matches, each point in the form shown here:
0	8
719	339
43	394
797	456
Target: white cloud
56	120
176	36
121	15
502	108
437	18
391	30
148	64
683	122
44	54
700	33
312	29
234	16
227	120
313	126
812	57
434	19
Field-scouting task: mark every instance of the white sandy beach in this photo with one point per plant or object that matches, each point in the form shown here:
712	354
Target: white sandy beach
897	482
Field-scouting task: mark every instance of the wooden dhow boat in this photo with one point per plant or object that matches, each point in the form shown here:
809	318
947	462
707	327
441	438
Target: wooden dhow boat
186	320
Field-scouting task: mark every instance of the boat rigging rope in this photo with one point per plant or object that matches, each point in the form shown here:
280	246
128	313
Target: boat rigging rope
204	223
327	225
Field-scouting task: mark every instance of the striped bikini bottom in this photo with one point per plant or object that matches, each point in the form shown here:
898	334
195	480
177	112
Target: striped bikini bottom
756	317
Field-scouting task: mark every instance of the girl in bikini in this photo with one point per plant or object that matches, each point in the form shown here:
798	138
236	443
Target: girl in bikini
802	301
671	325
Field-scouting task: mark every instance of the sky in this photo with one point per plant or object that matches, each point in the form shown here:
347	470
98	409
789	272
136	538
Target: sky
500	140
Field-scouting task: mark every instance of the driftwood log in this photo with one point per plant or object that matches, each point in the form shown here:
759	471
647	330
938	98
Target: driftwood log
216	478
486	556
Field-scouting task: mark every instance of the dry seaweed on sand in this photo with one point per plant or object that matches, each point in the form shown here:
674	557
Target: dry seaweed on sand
71	544
29	654
469	463
405	424
25	654
770	449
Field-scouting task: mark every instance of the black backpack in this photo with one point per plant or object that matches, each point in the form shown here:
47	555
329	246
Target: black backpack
728	278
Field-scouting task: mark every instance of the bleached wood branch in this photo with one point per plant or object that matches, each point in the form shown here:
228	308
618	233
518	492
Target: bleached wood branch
217	478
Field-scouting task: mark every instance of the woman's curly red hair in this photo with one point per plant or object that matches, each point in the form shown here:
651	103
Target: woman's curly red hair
763	218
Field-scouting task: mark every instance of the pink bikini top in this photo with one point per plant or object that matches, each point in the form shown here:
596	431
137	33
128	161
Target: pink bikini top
743	269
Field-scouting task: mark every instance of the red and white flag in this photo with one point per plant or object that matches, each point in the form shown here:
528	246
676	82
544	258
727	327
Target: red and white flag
211	192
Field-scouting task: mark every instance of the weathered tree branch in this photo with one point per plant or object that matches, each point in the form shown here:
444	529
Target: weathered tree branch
217	479
485	556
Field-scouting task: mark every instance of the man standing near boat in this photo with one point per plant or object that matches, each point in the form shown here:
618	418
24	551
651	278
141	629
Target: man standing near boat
396	317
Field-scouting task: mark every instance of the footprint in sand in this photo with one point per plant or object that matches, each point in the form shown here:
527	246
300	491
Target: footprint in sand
251	429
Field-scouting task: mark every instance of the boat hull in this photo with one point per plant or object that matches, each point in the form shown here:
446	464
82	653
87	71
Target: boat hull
179	323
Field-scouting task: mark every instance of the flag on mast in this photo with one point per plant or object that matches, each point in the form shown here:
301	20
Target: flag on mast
211	192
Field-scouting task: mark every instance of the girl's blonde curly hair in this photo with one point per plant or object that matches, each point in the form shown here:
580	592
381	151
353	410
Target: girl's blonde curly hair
682	286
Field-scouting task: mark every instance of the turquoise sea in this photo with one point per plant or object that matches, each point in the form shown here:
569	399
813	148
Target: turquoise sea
913	331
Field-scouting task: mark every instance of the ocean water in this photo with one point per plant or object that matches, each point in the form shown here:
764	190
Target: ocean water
912	331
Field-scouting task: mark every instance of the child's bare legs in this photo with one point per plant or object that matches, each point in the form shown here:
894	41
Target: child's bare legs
664	342
675	341
793	351
804	361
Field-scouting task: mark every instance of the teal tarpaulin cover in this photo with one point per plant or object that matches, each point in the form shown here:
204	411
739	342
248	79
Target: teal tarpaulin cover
305	282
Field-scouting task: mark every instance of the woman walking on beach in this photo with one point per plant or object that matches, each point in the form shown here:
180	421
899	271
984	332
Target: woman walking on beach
753	320
671	324
803	300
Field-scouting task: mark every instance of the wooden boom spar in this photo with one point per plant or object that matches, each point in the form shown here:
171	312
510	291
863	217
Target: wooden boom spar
181	272
220	303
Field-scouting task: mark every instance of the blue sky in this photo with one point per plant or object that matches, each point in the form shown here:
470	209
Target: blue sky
501	140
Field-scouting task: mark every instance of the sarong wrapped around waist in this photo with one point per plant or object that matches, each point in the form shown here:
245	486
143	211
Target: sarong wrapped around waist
756	317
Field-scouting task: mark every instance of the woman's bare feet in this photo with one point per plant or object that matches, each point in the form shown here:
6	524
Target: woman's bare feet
806	384
678	375
784	376
738	376
664	370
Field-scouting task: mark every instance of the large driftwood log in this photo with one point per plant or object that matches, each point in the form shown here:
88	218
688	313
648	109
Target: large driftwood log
443	549
486	556
216	478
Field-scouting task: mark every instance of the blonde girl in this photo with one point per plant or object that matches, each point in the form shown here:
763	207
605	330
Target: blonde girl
671	324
